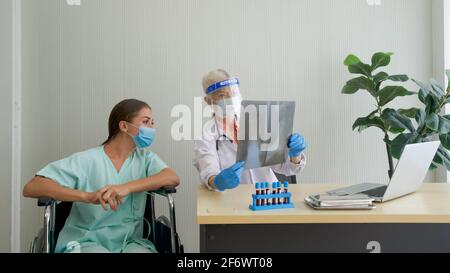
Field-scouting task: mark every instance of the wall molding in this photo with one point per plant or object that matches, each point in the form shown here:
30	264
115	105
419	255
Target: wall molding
446	14
438	71
16	124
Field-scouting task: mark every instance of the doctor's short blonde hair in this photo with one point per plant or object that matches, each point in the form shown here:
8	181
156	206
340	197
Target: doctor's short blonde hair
214	76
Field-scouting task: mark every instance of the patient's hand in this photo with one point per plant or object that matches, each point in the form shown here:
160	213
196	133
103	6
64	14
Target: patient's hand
96	197
114	195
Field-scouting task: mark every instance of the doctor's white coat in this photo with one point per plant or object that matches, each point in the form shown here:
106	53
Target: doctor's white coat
211	161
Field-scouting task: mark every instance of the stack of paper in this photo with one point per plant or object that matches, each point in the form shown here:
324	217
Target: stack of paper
326	201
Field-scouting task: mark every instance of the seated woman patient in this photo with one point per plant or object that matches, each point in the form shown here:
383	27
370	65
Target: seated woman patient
108	185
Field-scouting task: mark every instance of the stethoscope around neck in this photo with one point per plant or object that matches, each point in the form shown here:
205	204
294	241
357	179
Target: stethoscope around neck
220	138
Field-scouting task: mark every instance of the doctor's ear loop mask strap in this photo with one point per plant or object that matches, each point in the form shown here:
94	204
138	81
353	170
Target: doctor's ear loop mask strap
218	85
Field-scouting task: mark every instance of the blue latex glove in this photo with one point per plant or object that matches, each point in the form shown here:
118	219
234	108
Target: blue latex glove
296	145
229	178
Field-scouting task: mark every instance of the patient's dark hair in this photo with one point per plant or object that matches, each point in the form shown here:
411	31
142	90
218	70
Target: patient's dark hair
125	110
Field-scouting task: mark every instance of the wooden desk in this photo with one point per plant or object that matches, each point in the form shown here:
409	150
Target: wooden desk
419	222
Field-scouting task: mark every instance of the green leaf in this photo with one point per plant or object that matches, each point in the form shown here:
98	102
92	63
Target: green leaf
380	77
365	122
398	144
445	140
396	120
427	96
444	156
431	103
353	85
437	158
438	124
432	122
424	90
432	167
410	113
395	130
351	59
398	78
420	118
350	88
380	59
444	125
437	89
383	76
422	96
388	93
360	68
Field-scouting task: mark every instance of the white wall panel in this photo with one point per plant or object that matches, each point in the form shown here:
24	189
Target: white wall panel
79	61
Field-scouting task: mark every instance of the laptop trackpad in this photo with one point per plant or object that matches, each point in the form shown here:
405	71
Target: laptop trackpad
355	189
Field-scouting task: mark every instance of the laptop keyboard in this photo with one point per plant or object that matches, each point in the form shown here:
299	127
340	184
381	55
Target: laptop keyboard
377	192
354	189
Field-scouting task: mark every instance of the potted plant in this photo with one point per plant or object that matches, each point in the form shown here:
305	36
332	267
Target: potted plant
406	126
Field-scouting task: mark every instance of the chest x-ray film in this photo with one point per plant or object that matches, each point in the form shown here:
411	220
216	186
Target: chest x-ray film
264	128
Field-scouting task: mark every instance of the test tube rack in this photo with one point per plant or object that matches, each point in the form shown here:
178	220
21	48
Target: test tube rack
278	196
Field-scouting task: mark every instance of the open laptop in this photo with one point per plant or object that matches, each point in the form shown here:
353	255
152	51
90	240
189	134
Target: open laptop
408	176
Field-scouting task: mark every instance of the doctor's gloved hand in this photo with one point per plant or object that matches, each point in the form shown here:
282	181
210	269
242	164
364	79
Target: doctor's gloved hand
296	145
229	178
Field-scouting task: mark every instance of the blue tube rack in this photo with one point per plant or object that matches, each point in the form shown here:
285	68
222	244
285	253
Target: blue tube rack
282	195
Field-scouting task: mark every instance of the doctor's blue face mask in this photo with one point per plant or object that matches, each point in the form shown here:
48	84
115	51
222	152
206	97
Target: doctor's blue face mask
144	138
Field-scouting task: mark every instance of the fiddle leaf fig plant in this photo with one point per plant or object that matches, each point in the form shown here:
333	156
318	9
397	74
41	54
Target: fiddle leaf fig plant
374	82
412	125
430	122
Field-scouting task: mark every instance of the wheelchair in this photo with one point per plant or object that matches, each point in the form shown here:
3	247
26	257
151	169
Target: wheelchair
163	231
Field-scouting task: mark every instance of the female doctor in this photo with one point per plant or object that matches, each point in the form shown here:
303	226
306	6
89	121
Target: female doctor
215	153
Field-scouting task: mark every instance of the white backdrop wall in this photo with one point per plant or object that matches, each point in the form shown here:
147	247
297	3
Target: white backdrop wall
79	61
446	12
6	84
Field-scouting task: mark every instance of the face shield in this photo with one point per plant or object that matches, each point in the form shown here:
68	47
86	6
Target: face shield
226	98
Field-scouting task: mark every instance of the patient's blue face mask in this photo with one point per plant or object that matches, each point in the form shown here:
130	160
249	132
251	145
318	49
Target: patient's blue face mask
144	138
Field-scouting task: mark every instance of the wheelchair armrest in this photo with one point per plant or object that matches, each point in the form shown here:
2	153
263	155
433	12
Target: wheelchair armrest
43	202
165	190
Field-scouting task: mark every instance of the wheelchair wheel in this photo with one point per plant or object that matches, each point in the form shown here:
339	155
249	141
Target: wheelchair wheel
164	221
37	245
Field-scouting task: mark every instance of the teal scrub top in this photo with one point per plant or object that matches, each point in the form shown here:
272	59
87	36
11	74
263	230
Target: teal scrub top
89	224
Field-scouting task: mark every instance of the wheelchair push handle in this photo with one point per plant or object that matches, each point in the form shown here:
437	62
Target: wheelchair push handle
167	190
43	202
